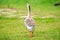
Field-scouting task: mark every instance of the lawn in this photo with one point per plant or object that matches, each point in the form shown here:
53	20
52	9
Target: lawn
14	29
45	14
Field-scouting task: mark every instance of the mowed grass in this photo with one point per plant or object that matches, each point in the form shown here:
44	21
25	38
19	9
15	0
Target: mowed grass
14	29
46	28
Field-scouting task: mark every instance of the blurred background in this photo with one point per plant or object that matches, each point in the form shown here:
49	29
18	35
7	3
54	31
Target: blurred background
39	8
44	12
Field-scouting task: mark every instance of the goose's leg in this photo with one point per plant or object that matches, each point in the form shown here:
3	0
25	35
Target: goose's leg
30	34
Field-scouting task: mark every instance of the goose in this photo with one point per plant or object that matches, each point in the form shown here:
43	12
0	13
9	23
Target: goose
29	22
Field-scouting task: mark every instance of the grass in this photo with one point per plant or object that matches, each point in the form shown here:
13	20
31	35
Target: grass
46	28
14	29
39	8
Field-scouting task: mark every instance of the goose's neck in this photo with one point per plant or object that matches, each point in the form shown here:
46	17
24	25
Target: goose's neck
28	7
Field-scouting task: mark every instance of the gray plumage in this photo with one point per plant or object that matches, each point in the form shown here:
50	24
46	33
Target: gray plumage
29	22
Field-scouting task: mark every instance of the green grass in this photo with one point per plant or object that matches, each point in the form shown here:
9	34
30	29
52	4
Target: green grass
38	7
14	29
46	28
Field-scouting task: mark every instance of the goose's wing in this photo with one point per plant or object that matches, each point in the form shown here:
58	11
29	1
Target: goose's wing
29	22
